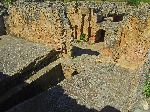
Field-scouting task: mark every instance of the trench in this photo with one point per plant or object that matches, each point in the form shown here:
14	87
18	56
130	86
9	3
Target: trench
28	71
2	26
46	81
100	36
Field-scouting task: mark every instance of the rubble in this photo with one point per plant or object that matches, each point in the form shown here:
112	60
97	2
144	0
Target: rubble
102	48
59	24
20	59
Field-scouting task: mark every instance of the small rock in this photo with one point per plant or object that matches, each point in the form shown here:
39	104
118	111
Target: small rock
138	110
144	104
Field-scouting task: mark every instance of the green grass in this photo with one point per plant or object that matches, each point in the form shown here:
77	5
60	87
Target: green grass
136	2
130	2
147	88
83	37
147	85
8	1
133	2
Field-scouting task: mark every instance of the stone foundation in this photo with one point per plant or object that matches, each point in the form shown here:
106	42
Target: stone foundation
123	29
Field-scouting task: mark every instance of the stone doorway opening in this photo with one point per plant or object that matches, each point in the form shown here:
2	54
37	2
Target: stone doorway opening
100	35
100	19
117	17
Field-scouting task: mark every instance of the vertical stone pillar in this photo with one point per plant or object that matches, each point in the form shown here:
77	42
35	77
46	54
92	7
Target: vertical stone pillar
94	27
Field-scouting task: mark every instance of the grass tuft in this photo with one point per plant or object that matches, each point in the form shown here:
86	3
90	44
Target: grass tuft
147	85
133	2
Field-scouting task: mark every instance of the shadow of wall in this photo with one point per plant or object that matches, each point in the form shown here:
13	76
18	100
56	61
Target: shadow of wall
45	98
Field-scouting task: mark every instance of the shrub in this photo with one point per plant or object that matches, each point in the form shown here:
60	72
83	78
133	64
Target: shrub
147	85
7	1
147	88
82	37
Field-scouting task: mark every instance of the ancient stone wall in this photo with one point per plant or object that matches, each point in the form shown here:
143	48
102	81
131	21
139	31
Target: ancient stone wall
134	43
131	48
39	23
83	20
53	23
123	29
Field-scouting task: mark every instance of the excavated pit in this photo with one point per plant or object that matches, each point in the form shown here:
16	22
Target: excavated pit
47	80
42	70
2	26
28	71
117	35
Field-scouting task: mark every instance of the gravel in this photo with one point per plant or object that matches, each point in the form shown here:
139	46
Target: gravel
98	86
17	53
101	85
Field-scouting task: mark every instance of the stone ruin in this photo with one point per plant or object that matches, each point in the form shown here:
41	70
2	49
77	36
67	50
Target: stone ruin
118	34
124	32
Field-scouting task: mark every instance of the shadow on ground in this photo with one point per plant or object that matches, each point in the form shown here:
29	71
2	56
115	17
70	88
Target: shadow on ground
3	76
14	94
37	98
76	51
55	100
2	26
109	109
